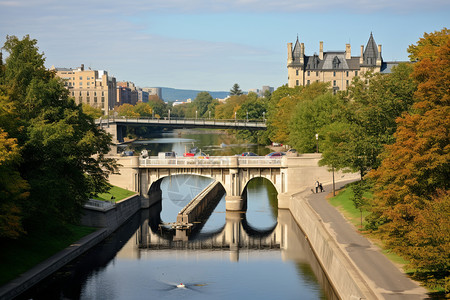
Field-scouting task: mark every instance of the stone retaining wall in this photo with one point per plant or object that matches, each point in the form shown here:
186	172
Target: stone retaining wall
342	274
111	217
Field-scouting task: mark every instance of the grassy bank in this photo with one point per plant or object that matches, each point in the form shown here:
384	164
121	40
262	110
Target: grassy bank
115	193
18	256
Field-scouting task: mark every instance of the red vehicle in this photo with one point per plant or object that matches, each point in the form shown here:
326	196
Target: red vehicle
275	155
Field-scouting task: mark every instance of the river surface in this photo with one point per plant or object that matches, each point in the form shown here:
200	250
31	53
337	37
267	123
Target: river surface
257	254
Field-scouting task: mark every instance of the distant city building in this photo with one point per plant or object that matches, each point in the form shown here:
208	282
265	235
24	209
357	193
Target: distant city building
142	95
262	92
130	93
336	67
154	91
93	87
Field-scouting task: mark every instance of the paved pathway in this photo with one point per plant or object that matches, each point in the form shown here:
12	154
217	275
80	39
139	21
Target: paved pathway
386	279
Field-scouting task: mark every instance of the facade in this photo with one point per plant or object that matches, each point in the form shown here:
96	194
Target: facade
92	87
153	91
335	67
128	94
142	95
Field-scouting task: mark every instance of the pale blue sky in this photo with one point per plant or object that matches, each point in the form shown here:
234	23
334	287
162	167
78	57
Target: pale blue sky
210	45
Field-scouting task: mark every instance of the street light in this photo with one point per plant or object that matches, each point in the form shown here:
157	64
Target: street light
169	114
235	116
264	116
196	115
317	143
247	116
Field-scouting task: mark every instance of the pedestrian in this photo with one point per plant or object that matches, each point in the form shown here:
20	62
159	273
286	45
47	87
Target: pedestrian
321	187
317	186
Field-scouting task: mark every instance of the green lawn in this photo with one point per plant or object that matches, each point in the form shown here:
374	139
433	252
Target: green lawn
117	192
18	256
343	202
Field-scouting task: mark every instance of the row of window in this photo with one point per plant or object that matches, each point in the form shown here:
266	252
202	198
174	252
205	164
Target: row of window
308	82
308	73
87	94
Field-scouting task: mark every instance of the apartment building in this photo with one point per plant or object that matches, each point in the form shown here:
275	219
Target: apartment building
336	67
93	87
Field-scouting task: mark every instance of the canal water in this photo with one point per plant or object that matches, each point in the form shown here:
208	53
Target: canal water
257	254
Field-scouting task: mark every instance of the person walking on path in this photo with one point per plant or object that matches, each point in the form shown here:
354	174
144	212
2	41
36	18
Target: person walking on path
317	186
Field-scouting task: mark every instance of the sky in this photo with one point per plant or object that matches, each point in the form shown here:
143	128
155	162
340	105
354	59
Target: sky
212	44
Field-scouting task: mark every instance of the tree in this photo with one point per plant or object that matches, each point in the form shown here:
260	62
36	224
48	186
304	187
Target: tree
91	111
411	188
235	90
61	148
201	103
143	109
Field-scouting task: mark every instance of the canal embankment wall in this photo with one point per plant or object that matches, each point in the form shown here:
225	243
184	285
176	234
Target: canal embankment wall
41	271
105	216
342	274
110	216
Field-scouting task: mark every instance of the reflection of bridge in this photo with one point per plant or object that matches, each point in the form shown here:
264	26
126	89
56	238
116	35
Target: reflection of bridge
236	233
117	126
287	174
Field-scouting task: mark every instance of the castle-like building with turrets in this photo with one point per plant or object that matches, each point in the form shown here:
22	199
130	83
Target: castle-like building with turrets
336	67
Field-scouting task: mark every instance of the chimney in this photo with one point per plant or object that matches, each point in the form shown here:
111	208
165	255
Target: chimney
302	53
321	50
289	46
379	56
361	59
348	51
82	67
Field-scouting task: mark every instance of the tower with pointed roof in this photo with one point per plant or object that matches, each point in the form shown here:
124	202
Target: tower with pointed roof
336	67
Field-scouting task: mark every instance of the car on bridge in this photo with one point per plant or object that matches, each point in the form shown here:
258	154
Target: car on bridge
275	155
249	154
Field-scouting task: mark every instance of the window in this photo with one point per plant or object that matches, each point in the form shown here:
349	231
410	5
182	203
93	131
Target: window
296	72
296	82
309	73
88	83
334	82
88	78
356	73
346	82
317	73
307	82
347	73
88	99
334	74
81	83
95	99
103	99
81	77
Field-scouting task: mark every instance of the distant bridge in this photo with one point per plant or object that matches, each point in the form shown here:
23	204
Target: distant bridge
117	125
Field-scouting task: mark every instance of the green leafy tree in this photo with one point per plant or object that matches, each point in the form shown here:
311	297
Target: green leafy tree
201	103
91	111
62	150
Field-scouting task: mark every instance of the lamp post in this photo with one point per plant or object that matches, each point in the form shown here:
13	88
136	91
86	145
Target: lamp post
317	143
247	116
209	113
235	117
196	115
264	116
169	114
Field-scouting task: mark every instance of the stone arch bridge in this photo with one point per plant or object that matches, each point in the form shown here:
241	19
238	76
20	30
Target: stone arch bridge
287	174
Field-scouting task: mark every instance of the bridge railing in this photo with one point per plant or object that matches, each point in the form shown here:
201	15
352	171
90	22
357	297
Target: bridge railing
209	161
182	121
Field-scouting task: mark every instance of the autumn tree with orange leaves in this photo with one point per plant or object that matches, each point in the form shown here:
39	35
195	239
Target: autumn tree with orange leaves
411	208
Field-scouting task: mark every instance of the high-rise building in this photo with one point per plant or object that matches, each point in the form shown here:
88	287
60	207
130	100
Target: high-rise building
336	67
154	91
93	87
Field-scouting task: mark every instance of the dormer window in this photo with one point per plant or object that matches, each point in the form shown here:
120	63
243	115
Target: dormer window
336	62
